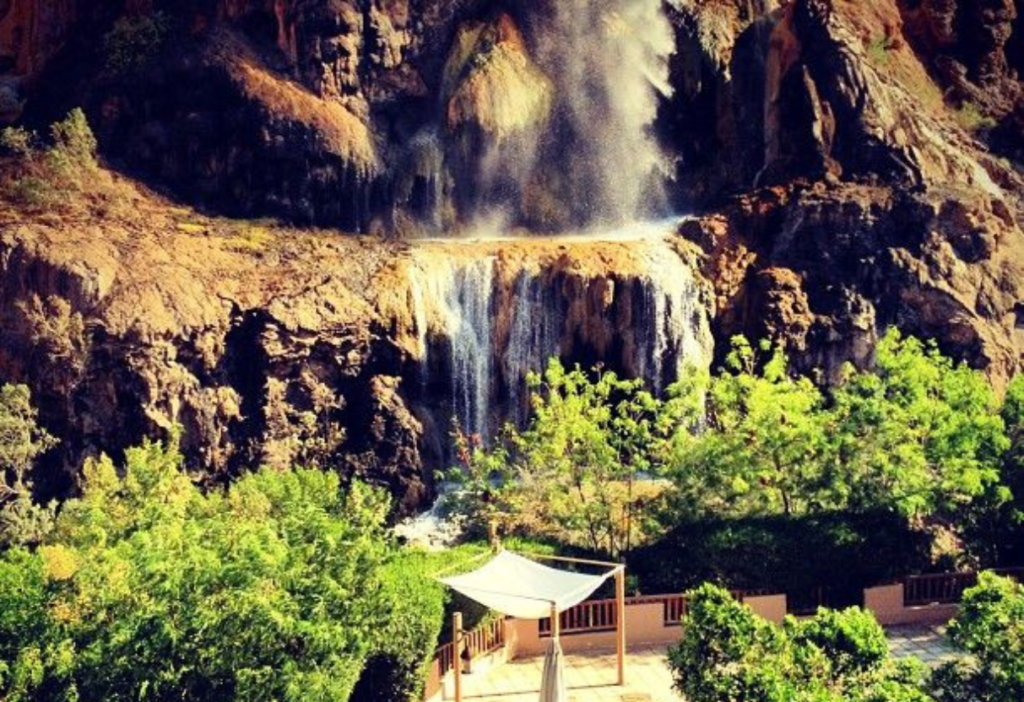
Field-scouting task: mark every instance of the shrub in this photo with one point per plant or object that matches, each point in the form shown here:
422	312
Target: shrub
727	653
405	642
280	588
989	626
134	42
22	441
48	177
972	119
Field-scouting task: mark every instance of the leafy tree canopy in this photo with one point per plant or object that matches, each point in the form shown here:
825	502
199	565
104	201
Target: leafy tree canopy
148	589
915	434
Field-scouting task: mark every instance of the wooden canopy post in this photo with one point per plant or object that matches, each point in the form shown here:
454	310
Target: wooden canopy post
457	640
620	623
555	624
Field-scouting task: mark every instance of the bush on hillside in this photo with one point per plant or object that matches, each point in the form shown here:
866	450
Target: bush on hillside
134	41
22	441
49	176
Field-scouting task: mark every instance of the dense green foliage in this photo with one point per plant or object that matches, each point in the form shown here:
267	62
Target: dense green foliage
606	465
147	589
990	627
771	553
1006	534
727	653
916	434
22	441
574	472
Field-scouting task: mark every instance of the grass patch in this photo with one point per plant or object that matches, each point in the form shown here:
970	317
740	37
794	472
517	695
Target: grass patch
251	236
191	228
61	175
972	119
878	51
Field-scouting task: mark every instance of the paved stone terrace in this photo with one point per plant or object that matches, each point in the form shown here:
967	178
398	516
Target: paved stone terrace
591	677
926	643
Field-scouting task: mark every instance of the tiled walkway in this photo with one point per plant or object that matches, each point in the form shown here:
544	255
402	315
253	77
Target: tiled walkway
591	678
927	643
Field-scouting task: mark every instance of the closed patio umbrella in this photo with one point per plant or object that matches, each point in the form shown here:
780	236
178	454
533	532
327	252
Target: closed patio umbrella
552	682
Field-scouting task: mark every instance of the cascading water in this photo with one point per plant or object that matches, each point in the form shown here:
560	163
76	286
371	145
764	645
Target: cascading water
609	62
670	315
548	125
535	335
489	312
461	295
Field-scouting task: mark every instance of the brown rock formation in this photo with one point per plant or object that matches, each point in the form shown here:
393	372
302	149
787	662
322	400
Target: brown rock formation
845	153
822	269
273	346
839	88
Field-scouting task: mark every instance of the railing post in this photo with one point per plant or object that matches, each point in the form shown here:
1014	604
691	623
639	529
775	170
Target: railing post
457	663
620	623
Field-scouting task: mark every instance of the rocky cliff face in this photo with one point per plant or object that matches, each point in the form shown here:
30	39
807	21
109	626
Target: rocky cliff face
824	269
271	346
889	205
853	164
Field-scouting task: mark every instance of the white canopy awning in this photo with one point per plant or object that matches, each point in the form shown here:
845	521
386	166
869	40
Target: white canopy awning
519	587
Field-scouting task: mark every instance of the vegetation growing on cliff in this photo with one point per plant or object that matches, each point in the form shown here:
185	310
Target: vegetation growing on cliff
60	175
22	441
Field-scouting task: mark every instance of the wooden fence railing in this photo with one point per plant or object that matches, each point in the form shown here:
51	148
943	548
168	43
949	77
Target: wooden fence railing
445	657
945	588
591	616
599	615
486	638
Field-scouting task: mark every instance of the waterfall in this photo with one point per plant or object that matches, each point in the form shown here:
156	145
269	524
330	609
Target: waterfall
670	323
609	62
488	312
454	300
535	336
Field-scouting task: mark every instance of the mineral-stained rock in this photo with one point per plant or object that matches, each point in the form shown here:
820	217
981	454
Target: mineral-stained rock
845	156
277	347
822	269
840	88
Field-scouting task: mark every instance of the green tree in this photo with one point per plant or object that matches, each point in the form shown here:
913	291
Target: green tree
917	433
149	589
22	441
1007	533
990	627
727	653
764	446
578	471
